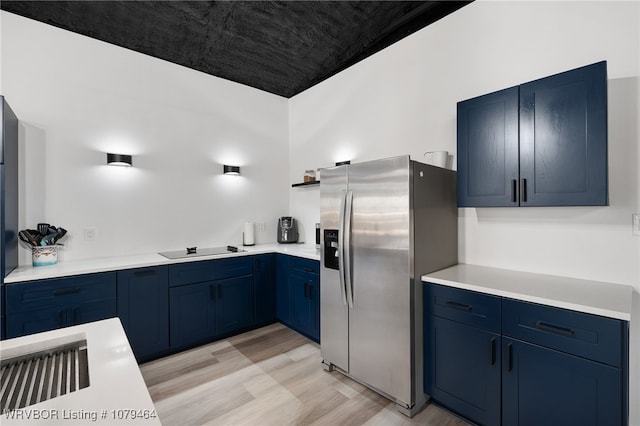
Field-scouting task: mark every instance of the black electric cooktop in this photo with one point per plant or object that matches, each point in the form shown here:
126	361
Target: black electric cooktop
196	252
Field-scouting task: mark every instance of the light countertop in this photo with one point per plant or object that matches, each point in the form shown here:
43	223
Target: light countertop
594	297
116	387
105	264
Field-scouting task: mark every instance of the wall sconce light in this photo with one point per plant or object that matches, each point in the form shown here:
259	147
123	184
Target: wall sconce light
342	163
231	170
119	160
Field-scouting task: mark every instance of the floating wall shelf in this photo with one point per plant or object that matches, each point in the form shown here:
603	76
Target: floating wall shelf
296	185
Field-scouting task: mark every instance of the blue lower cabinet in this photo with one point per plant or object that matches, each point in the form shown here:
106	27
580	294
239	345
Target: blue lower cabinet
304	299
545	387
282	289
463	369
264	288
192	313
234	308
43	305
143	308
23	323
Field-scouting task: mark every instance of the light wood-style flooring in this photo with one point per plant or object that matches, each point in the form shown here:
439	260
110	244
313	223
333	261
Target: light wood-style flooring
268	376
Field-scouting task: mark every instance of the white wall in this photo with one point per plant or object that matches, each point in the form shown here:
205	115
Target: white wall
403	100
78	98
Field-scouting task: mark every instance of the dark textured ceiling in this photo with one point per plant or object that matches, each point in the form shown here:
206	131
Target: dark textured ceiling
282	47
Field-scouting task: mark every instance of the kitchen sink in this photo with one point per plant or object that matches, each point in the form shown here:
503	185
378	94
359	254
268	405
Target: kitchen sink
34	377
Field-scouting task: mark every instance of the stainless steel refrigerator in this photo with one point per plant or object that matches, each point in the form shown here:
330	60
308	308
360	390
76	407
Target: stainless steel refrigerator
384	224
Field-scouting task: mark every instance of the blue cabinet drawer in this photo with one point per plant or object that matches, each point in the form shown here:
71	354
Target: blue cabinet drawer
23	323
190	272
589	336
233	267
305	265
33	295
463	306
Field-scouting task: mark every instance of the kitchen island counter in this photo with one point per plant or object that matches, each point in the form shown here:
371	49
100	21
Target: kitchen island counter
593	297
105	264
116	394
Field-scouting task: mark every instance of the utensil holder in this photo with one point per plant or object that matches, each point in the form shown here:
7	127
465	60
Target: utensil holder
44	255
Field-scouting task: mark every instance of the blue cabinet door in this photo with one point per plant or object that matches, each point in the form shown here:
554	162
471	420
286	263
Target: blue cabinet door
545	387
305	303
462	369
143	308
8	189
314	309
300	308
488	150
235	304
282	289
563	138
23	323
264	283
192	313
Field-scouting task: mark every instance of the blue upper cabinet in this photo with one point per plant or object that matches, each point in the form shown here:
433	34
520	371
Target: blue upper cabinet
543	143
488	150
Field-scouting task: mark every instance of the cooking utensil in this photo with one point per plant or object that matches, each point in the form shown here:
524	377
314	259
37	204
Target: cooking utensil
61	232
27	238
43	228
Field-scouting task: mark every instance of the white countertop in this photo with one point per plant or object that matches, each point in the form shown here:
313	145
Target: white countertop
105	264
115	382
594	297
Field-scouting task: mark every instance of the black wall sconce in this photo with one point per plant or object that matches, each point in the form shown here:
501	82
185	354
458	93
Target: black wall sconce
119	160
231	170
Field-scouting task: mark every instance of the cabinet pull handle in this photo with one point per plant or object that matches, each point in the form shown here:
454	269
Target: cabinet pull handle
219	292
144	272
523	190
306	269
212	291
540	325
492	351
65	291
509	356
306	290
514	189
310	289
459	306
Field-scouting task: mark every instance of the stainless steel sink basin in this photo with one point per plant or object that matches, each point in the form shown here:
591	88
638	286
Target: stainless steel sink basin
34	377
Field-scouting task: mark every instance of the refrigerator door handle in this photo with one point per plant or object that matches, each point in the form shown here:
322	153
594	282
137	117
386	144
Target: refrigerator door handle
341	248
347	247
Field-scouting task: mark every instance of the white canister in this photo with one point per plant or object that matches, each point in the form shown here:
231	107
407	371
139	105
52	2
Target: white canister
437	158
248	238
44	255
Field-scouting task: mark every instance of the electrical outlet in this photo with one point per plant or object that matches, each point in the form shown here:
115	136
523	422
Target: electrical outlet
90	234
636	224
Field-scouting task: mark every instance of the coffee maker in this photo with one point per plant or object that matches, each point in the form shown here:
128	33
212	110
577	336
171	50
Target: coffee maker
287	230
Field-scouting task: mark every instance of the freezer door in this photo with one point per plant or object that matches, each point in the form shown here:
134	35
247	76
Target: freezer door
380	345
334	317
